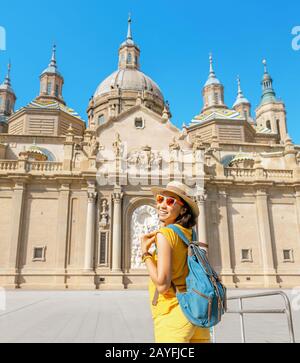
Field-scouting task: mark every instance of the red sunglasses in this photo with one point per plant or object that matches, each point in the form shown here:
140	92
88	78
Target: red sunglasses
169	200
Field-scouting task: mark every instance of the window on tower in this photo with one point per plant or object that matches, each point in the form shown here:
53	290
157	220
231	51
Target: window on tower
48	88
268	125
101	120
216	96
7	105
129	58
57	90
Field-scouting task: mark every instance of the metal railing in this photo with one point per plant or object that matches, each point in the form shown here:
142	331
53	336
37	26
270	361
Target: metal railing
287	311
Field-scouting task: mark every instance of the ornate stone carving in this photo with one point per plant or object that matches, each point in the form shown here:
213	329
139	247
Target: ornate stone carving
134	158
201	198
118	146
145	158
94	147
174	145
117	195
174	148
104	215
144	220
92	196
157	159
197	144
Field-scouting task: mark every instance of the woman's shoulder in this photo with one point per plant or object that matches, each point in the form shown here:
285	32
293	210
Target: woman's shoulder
172	237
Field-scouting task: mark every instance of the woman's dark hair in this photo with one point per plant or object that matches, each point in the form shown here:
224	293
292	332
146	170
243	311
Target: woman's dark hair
186	220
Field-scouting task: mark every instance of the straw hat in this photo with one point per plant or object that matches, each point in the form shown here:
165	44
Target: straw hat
181	191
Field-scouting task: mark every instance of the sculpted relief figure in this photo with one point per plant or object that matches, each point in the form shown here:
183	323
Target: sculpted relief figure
104	216
118	146
134	158
174	148
94	147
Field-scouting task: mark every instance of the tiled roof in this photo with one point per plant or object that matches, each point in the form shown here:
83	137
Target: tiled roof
53	105
217	114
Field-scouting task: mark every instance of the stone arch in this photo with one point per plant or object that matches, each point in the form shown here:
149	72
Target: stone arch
140	212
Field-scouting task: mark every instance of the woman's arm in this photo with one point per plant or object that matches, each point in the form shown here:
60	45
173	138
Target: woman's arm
162	274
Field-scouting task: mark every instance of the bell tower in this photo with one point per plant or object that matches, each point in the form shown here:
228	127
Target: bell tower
213	91
129	52
51	82
7	100
271	112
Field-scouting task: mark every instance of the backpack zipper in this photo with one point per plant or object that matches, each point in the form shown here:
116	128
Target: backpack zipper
209	303
199	293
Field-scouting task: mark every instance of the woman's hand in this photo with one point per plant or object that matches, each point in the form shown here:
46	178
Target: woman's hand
147	240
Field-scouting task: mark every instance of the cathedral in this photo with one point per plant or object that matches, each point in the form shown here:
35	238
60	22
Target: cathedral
75	196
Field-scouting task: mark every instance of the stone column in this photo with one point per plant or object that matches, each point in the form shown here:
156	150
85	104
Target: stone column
202	233
117	230
224	234
265	237
62	228
90	230
15	248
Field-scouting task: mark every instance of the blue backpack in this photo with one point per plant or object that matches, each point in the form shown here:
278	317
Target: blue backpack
204	303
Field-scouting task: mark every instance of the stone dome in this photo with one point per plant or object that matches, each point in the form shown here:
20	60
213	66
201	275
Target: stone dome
128	80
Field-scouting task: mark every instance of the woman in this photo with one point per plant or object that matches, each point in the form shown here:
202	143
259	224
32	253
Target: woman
168	266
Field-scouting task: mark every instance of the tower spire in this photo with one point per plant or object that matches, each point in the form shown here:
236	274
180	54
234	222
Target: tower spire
7	81
212	79
53	58
240	97
51	81
241	104
211	64
129	33
129	52
269	94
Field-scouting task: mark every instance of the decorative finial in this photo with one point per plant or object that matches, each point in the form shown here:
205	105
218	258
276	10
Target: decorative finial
129	34
240	92
7	78
211	70
53	58
265	65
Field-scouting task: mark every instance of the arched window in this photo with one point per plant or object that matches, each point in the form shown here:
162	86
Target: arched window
101	120
129	58
268	125
1	101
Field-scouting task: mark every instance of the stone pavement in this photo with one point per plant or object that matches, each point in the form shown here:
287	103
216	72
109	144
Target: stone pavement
118	317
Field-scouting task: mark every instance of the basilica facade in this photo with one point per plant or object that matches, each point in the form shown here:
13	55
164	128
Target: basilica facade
75	196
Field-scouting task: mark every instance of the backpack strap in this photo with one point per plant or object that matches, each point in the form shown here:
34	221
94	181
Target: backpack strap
181	235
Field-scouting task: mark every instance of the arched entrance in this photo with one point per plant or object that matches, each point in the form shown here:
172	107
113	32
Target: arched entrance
144	220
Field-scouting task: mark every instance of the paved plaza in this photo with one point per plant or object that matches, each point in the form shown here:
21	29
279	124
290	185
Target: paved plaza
120	317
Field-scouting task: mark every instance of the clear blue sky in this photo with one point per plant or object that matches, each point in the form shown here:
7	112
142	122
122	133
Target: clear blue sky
175	37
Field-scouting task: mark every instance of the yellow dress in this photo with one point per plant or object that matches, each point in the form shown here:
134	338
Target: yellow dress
170	324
